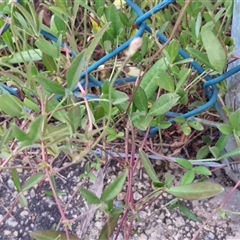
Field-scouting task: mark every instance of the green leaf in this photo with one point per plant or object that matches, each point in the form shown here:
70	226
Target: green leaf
48	48
53	105
164	125
172	50
59	24
195	125
207	140
89	196
202	170
114	188
119	97
214	151
111	131
165	81
148	166
163	104
234	119
225	129
198	24
148	82
33	180
185	163
51	235
75	70
184	61
188	177
186	212
22	199
234	152
200	56
16	180
113	17
141	121
186	128
96	41
196	191
75	117
221	143
7	37
202	152
36	129
30	20
31	105
180	120
50	85
183	76
215	51
109	227
24	56
50	63
99	4
183	96
11	105
20	134
168	179
140	100
60	11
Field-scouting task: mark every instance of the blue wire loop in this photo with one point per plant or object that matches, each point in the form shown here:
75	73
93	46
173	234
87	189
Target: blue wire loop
209	86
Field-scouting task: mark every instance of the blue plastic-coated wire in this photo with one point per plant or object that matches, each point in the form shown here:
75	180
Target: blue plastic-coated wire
11	90
55	39
119	81
113	53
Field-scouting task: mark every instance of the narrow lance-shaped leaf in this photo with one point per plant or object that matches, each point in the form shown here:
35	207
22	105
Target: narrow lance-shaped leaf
22	199
11	105
50	86
165	81
196	191
75	70
33	180
215	51
184	210
89	196
188	177
221	143
148	166
109	227
234	152
36	129
114	188
24	56
202	170
164	103
200	56
148	82
96	41
140	100
16	180
185	163
48	48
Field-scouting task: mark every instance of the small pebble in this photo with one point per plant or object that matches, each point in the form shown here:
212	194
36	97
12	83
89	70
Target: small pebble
10	183
24	213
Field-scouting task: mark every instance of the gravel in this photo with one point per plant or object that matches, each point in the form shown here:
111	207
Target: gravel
153	222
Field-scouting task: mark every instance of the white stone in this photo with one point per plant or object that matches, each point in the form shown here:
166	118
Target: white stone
24	213
10	183
11	222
